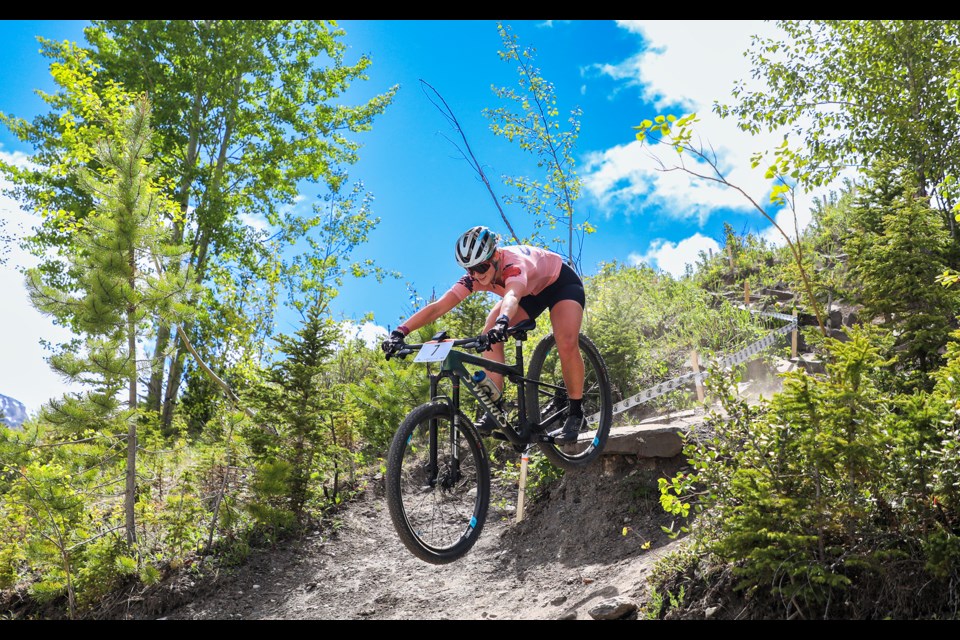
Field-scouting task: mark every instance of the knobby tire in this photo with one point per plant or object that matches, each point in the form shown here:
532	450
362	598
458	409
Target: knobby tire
438	513
545	401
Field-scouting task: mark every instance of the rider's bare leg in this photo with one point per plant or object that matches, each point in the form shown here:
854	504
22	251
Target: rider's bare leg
566	317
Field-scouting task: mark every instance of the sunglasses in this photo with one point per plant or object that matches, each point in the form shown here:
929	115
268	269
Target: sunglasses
480	268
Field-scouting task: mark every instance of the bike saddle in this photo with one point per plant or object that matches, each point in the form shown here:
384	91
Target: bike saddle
526	325
519	330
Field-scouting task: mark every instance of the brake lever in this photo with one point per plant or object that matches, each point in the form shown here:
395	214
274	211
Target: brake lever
481	344
399	353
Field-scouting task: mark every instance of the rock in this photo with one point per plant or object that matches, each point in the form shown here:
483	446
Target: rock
645	441
809	364
835	318
838	334
776	293
613	609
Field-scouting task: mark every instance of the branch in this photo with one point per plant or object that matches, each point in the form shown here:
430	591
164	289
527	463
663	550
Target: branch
468	156
719	178
227	390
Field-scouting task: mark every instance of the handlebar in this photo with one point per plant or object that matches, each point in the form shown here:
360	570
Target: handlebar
480	343
407	349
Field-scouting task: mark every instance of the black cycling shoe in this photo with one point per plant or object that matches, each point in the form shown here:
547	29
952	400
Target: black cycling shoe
570	431
485	425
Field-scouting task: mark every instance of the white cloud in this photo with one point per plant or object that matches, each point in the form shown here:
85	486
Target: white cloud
693	62
371	334
786	222
674	257
688	66
24	372
625	177
255	221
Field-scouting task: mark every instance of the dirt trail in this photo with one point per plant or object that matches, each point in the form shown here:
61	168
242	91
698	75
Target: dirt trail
594	538
568	555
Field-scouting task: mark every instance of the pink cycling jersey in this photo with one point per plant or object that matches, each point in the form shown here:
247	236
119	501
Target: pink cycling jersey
533	268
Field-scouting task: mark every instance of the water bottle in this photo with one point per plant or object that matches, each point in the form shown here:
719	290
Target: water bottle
486	386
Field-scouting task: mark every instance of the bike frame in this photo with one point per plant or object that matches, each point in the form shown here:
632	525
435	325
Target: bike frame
453	367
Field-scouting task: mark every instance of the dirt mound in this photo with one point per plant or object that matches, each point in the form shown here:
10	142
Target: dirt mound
593	537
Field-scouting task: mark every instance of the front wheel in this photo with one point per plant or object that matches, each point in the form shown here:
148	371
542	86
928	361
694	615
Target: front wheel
438	483
546	400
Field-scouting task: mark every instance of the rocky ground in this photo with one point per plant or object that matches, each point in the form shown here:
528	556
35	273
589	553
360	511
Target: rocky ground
583	551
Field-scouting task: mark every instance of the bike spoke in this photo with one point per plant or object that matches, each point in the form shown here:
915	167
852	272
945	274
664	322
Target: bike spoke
440	511
597	406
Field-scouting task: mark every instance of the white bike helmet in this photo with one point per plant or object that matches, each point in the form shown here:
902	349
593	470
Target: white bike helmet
475	246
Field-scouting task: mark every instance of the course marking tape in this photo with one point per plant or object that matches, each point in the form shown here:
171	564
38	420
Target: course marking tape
743	355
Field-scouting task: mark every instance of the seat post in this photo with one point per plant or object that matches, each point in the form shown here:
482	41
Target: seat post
521	396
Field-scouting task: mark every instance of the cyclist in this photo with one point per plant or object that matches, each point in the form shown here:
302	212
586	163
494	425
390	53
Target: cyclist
529	281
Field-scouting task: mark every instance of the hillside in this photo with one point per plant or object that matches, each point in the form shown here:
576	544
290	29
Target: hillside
583	551
567	557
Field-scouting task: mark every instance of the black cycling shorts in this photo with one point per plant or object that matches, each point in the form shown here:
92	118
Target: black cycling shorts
567	286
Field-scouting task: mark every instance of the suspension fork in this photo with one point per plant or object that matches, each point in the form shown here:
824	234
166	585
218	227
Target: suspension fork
455	427
432	468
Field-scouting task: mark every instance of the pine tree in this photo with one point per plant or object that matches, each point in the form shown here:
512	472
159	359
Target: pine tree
117	248
897	247
295	395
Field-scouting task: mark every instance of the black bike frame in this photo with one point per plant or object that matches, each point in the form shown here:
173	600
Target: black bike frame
453	367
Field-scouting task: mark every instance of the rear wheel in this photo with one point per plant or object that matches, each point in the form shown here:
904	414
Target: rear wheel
547	398
438	483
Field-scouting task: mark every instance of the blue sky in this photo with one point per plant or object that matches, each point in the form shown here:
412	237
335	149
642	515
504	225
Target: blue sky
618	73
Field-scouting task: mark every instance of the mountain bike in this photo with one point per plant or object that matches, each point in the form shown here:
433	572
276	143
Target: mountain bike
438	473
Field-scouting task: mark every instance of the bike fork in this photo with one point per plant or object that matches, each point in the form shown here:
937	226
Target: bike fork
454	430
432	467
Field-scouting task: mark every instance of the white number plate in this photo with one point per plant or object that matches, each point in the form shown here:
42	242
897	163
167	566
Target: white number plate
434	351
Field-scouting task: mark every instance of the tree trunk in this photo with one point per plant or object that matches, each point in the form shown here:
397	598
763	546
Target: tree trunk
200	253
130	494
155	391
173	384
157	367
71	588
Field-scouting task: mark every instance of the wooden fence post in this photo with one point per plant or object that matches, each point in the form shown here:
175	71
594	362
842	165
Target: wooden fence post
695	364
524	461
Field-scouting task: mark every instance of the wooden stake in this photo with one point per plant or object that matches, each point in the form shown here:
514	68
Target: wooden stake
695	363
524	461
746	293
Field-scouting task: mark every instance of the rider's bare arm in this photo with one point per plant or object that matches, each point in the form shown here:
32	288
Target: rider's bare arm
511	299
